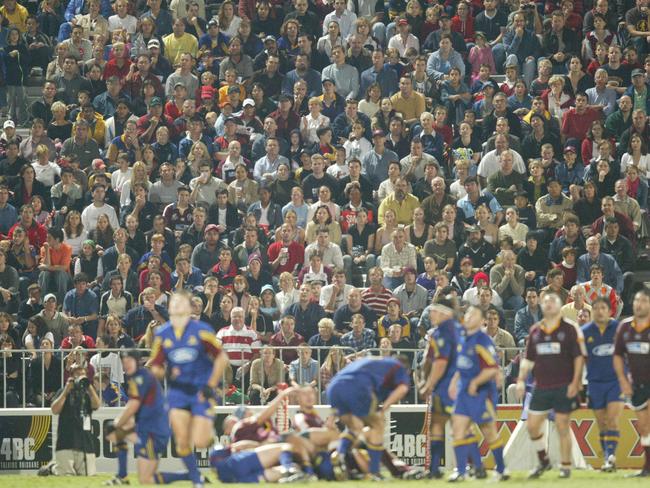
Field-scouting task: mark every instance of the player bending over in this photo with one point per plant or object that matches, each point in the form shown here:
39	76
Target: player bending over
354	393
632	347
555	354
194	364
603	389
474	391
145	423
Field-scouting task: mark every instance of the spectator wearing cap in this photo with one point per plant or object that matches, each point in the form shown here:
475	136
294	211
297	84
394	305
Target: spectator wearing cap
403	39
375	163
476	197
638	91
149	123
139	73
285	118
179	42
237	60
481	252
56	322
81	306
258	278
394	317
160	65
206	254
550	208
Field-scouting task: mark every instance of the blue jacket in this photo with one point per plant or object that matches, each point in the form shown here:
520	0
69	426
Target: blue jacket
75	7
387	79
612	274
522	47
524	320
568	177
274	214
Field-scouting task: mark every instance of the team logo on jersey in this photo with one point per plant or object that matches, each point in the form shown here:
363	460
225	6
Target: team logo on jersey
603	350
560	336
183	355
549	349
638	347
192	341
590	340
441	342
464	362
168	343
139	380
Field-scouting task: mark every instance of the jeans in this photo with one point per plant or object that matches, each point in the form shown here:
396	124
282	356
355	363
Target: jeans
17	103
515	302
527	67
57	282
379	33
358	270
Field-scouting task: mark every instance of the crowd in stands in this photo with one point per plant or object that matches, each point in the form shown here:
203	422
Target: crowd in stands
316	173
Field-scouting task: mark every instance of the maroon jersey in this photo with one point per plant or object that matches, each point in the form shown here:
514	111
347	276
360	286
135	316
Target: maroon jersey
250	430
553	349
307	419
633	344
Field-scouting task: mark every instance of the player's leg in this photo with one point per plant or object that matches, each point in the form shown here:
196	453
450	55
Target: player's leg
374	435
119	438
534	425
437	443
202	432
613	416
459	426
600	414
304	449
643	421
181	422
474	452
562	421
491	435
147	471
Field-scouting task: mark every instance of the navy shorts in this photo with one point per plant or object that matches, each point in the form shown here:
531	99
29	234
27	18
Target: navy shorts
348	397
190	401
544	401
150	445
441	403
241	467
479	408
602	394
640	396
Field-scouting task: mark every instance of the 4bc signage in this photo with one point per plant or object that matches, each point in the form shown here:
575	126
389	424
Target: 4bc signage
25	442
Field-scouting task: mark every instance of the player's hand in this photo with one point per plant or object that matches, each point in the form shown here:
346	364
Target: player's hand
572	390
207	393
626	388
175	372
472	388
520	390
452	390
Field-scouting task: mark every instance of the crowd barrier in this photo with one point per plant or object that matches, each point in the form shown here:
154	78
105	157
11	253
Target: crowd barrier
28	437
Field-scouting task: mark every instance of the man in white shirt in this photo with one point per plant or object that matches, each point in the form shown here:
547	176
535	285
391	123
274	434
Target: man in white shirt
491	162
334	295
344	17
122	19
403	40
332	255
92	212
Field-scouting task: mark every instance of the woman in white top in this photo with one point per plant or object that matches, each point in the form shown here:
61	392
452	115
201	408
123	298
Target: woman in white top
362	31
228	21
357	146
637	155
46	171
314	120
557	97
325	200
331	39
122	175
73	231
370	104
288	294
457	188
139	175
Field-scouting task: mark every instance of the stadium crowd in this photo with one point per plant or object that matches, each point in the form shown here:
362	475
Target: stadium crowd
315	173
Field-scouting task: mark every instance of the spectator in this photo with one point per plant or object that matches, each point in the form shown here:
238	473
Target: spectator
527	316
359	338
267	372
287	339
304	371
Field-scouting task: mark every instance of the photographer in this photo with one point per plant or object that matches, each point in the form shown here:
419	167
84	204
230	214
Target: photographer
74	404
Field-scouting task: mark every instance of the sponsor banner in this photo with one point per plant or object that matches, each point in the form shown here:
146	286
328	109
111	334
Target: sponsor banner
27	437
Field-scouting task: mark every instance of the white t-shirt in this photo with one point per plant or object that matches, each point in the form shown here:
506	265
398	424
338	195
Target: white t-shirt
47	173
128	23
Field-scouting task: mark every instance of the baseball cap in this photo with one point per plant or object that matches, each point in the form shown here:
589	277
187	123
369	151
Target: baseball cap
210	227
213	22
325	80
378	133
155	101
248	102
269	39
402	22
153	43
234	89
9	123
521	193
179	83
230	119
49	296
638	72
473	228
224	103
570	149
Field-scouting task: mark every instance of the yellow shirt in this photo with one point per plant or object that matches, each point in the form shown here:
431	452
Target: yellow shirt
410	108
175	46
403	210
18	18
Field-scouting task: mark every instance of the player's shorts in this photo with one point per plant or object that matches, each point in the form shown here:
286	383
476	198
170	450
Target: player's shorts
479	408
543	401
640	396
441	403
603	393
241	467
188	399
346	396
150	445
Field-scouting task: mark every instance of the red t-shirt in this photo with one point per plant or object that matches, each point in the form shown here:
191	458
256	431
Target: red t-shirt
296	256
576	125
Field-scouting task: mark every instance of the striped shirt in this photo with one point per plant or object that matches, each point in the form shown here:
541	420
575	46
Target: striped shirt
241	345
377	301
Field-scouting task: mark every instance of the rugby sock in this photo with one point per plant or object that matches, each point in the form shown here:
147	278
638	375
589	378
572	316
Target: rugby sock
539	443
122	453
612	441
603	443
286	459
166	478
189	459
375	451
462	452
645	442
437	449
324	466
345	442
473	450
497	451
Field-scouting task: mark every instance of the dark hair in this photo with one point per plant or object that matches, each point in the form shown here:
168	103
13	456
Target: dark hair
56	233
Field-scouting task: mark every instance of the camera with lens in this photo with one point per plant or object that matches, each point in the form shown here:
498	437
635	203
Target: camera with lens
81	383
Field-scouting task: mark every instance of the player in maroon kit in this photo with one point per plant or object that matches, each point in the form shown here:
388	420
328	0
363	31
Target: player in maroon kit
555	355
632	347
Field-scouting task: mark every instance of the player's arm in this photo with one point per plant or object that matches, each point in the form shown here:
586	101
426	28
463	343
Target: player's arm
525	367
212	346
156	363
396	395
574	387
266	414
619	366
453	386
130	409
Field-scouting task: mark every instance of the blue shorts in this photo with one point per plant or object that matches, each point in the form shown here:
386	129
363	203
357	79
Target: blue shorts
602	394
441	404
348	397
189	400
150	445
479	408
241	467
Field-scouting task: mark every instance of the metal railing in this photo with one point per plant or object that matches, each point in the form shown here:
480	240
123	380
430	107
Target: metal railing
31	362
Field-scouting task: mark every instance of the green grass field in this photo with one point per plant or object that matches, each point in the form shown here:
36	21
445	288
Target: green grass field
579	479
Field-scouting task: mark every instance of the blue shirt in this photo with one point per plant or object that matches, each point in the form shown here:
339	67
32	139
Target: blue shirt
600	351
191	352
486	198
612	274
443	344
152	414
366	341
375	166
477	352
303	375
386	78
76	305
382	375
8	217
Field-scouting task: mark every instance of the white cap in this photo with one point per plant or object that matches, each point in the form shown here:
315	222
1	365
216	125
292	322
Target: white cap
248	101
9	123
49	296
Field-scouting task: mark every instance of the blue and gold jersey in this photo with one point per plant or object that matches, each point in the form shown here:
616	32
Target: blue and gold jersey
443	344
477	352
152	414
600	351
190	351
381	375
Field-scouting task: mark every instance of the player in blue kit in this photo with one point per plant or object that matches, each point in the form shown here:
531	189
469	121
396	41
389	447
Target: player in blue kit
440	363
194	364
603	389
474	391
271	462
145	423
355	393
